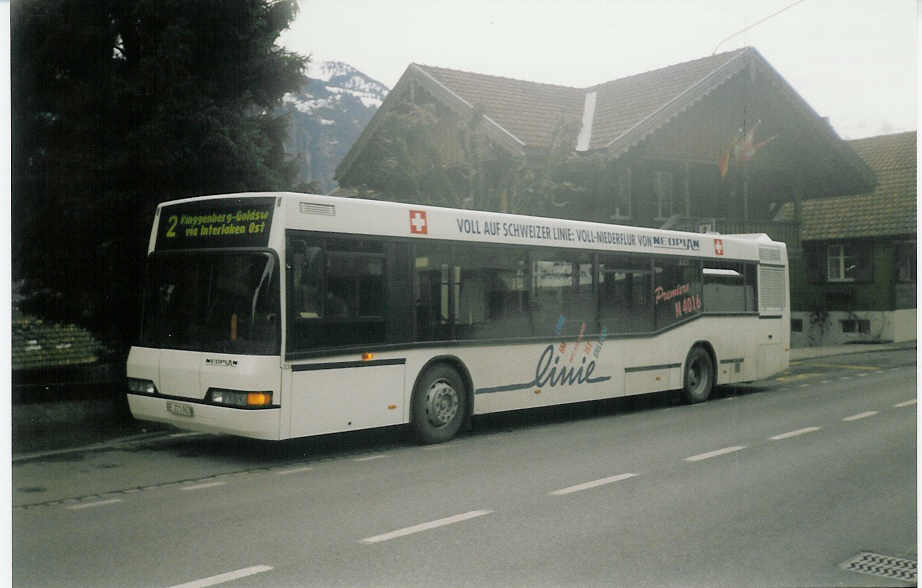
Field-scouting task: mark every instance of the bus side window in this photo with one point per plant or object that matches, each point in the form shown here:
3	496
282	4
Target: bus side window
729	287
431	292
625	294
676	290
492	292
563	290
307	267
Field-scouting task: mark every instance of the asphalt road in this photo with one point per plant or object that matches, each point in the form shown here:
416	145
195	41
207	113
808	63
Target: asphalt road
775	483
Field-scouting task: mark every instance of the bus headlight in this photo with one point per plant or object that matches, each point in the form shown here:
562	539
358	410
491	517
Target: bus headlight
139	386
238	398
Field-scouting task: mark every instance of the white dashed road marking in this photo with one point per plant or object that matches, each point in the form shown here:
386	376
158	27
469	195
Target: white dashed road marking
294	471
426	526
715	453
93	504
860	415
904	404
790	434
203	486
221	578
593	484
371	457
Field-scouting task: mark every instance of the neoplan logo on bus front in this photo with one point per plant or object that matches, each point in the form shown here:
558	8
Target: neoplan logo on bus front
418	223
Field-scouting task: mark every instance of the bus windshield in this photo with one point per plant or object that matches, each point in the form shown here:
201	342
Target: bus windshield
223	302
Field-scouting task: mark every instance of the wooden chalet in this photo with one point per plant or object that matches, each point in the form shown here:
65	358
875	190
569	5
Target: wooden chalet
719	143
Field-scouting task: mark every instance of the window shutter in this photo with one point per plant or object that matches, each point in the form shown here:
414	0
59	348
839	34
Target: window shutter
864	258
816	262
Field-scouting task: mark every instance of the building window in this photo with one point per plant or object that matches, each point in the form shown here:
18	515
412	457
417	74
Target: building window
841	263
861	326
797	325
622	204
663	189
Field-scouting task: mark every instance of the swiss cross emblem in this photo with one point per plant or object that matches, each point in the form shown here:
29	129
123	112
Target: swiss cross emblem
718	246
418	223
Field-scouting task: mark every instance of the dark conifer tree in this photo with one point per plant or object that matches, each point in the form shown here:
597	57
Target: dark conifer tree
120	104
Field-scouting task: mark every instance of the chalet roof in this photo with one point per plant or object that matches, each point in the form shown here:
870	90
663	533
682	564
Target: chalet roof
532	111
889	210
529	111
617	115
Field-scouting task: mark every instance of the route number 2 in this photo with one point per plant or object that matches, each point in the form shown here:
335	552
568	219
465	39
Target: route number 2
171	231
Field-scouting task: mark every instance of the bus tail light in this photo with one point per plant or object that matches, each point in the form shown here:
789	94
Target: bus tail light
238	398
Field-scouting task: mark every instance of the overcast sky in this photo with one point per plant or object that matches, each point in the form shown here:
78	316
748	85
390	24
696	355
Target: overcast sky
854	61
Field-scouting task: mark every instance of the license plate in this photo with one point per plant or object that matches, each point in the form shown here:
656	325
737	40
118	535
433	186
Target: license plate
183	410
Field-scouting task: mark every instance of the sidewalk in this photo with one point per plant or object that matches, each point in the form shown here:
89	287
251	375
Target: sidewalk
32	441
802	353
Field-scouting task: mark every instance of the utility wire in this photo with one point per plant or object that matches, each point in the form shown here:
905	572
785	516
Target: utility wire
793	4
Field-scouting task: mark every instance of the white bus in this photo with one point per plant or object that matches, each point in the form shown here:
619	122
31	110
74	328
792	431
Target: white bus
273	316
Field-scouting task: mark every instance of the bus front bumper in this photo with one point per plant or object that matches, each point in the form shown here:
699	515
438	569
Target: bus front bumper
207	418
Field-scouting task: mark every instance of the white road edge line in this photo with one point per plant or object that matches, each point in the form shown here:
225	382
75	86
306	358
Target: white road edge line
904	404
790	434
294	471
715	453
860	415
426	526
93	504
221	578
371	457
202	486
592	484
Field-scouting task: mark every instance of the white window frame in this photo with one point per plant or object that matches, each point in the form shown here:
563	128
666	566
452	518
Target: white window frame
622	195
837	257
664	189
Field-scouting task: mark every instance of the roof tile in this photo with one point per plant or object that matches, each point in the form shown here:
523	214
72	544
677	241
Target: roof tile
533	112
889	210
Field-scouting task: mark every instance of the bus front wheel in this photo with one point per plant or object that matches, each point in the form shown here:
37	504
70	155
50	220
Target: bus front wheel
439	404
699	375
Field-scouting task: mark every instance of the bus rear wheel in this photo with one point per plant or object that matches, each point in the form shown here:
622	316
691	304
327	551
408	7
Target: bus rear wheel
699	375
439	405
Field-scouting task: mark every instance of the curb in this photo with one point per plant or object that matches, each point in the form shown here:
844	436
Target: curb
101	446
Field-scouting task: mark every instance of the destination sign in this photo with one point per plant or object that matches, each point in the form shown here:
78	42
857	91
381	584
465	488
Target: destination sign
232	222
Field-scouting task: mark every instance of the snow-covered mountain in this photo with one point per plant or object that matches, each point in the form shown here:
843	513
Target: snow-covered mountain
327	116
